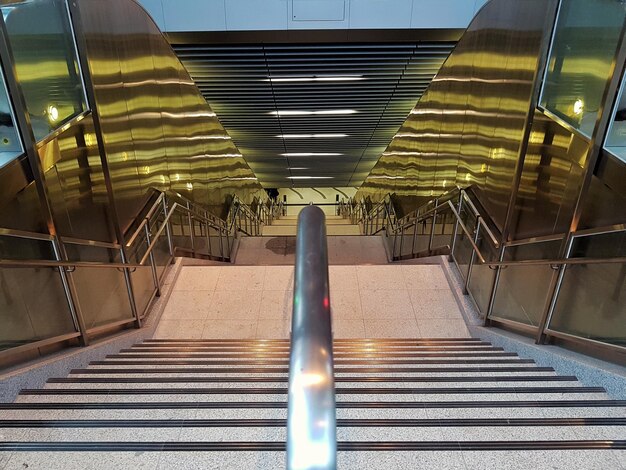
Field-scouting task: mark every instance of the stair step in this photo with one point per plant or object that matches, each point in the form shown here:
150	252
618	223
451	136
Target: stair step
340	404
167	446
283	390
495	412
227	460
194	380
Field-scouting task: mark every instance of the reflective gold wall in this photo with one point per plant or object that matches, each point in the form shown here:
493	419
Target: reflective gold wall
467	128
158	130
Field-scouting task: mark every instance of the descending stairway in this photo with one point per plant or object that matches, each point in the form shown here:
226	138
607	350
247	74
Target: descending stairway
286	226
446	403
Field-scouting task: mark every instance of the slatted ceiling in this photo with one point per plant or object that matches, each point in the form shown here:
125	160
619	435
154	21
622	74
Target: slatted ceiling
234	81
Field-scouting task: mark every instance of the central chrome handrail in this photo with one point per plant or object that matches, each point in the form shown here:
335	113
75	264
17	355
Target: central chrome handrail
311	420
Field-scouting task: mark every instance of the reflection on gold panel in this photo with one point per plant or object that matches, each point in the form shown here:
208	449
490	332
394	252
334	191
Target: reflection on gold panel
158	130
466	130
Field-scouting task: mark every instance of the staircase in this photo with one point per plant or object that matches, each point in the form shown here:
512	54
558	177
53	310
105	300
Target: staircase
401	403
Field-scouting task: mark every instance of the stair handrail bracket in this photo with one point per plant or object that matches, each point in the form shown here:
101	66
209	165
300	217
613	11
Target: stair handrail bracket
311	417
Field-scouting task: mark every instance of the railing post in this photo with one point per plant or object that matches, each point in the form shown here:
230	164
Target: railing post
494	287
456	226
168	228
472	256
191	234
69	288
555	287
129	289
155	275
432	228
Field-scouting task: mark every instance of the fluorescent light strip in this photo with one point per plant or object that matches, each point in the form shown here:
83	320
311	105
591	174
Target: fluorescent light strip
322	78
311	154
311	136
310	177
324	112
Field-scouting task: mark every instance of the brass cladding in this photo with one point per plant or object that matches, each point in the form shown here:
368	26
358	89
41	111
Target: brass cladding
158	131
466	130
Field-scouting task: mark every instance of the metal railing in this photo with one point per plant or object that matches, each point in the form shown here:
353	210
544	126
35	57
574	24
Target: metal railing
311	419
171	224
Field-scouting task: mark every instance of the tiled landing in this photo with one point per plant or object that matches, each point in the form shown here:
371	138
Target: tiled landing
246	302
343	250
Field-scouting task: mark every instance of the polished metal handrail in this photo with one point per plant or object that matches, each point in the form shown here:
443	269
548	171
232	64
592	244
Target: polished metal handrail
311	419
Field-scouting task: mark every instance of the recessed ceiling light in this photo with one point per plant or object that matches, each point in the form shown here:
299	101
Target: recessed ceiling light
311	136
297	168
316	78
310	177
324	112
311	154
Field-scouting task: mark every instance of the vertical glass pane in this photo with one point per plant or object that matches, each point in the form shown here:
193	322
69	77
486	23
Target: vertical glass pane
592	298
616	137
10	144
523	290
33	306
592	303
102	293
47	69
585	41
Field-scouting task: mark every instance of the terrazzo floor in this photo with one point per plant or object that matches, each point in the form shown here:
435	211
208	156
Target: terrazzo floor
367	301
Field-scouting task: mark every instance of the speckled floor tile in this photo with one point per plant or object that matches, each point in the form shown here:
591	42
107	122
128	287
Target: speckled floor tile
278	278
83	460
276	304
552	459
342	278
443	328
230	329
400	328
372	278
225	434
401	460
150	434
240	278
222	460
424	277
188	305
197	278
4	459
376	434
180	329
434	304
235	304
386	304
273	329
346	304
348	328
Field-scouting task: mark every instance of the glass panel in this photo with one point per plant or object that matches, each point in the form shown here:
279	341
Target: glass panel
616	137
45	61
585	41
592	298
463	248
592	303
10	143
102	293
33	306
482	277
523	290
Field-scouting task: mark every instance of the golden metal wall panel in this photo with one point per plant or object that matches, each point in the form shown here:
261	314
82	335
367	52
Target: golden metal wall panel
158	130
467	128
551	180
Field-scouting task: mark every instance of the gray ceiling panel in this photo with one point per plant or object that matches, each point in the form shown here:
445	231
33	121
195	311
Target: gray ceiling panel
246	85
